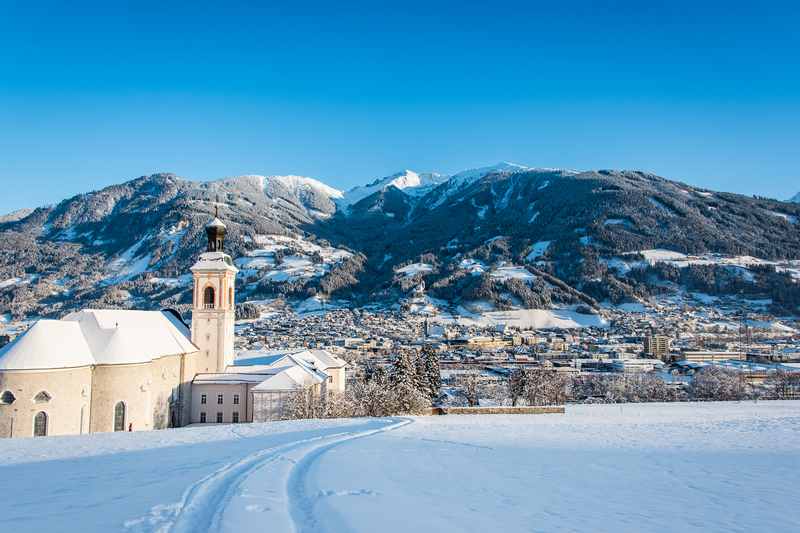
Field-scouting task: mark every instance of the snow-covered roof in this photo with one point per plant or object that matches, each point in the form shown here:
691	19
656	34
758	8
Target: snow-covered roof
290	378
47	344
320	359
97	337
228	379
216	223
214	261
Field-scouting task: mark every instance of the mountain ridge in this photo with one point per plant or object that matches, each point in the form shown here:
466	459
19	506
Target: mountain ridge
510	233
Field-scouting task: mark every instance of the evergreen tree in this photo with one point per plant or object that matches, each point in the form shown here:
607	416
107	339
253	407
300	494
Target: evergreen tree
431	373
407	396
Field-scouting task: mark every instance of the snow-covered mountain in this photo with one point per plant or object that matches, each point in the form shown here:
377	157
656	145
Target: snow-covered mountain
796	198
508	234
408	181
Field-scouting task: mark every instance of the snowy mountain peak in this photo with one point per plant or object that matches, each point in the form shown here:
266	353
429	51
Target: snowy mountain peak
796	198
407	181
297	183
473	174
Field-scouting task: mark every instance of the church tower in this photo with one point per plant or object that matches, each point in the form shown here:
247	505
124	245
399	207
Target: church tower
213	311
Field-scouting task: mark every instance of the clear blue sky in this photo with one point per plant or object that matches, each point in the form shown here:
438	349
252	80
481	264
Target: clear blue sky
103	92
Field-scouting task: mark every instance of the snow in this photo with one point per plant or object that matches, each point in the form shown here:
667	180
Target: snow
538	250
740	265
704	298
512	272
544	185
533	217
469	176
524	318
261	262
632	307
474	266
10	282
298	184
407	181
659	205
414	269
633	467
128	264
791	219
184	280
657	255
97	337
481	209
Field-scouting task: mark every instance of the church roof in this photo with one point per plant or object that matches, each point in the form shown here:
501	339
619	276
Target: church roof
216	223
97	337
214	261
47	344
319	359
290	378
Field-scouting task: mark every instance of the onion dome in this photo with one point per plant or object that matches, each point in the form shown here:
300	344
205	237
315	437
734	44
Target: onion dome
215	230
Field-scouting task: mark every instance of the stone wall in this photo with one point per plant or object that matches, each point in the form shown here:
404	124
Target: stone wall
502	410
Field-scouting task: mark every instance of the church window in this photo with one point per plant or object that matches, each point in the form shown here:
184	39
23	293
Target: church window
219	399
203	399
203	417
219	418
42	397
119	416
40	424
7	398
235	399
235	418
208	298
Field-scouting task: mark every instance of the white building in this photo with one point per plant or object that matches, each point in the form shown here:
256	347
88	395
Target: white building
117	370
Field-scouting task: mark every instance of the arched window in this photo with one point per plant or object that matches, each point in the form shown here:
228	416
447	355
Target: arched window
119	416
40	424
42	397
208	298
230	298
7	398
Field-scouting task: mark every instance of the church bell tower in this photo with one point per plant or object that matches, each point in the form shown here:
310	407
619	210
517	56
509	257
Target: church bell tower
214	310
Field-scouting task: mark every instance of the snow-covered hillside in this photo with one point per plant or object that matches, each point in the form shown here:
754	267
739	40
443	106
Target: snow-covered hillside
408	181
517	236
632	467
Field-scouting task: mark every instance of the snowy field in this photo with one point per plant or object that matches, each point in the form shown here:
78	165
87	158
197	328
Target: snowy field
646	467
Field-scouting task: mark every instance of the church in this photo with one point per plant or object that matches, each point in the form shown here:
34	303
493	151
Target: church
126	370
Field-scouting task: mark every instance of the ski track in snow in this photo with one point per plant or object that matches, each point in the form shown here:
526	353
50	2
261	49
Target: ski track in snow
206	502
301	504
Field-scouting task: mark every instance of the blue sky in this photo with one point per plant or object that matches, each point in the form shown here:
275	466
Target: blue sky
96	94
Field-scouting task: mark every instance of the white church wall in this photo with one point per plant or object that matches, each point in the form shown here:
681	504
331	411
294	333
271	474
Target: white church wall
145	389
67	409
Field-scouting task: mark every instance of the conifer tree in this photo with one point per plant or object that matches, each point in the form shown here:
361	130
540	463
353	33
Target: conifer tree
431	373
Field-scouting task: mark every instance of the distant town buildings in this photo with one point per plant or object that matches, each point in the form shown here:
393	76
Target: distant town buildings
657	346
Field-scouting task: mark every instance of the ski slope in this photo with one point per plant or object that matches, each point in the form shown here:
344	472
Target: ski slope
646	467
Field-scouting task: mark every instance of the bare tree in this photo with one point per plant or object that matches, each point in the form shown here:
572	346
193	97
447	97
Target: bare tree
717	383
470	385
